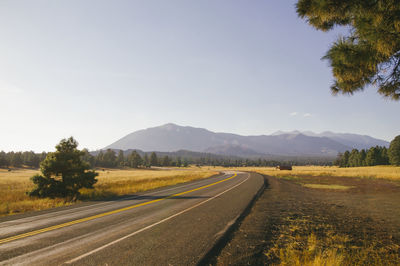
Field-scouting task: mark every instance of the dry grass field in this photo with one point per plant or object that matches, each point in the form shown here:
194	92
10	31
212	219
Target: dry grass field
321	216
121	182
111	182
385	172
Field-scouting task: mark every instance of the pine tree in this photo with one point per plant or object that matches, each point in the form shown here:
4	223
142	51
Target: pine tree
3	159
153	159
384	156
345	159
363	155
99	158
109	158
120	158
394	151
372	157
146	160
64	172
179	162
166	161
135	160
87	157
370	53
354	158
16	159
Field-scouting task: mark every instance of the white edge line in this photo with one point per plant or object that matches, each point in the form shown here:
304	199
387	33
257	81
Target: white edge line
150	226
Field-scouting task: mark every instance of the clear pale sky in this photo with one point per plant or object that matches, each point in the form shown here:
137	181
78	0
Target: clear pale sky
98	70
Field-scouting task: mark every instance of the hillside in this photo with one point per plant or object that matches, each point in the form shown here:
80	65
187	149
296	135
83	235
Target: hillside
171	137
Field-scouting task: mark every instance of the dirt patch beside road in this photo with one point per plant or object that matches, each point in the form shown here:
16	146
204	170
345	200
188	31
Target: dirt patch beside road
294	224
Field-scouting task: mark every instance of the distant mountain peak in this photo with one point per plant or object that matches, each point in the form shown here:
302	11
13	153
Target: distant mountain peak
171	137
280	132
169	126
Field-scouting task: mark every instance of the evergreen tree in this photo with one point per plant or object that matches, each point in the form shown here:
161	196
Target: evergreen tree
338	159
29	158
88	158
64	172
384	157
394	151
153	159
179	162
135	160
120	158
3	159
146	160
16	159
354	158
373	157
345	159
99	158
109	158
166	161
42	156
363	155
370	53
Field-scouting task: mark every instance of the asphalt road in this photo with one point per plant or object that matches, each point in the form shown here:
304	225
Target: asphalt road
177	225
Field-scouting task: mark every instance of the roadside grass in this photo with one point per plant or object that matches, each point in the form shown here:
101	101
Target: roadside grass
122	182
300	243
385	172
332	186
111	182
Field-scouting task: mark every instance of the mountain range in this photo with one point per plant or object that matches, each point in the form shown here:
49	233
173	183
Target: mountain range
172	137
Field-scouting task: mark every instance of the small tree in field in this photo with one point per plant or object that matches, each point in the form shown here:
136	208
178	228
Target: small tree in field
64	172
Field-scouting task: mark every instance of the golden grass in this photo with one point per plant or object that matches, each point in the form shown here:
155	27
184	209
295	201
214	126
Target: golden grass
386	172
111	182
121	182
326	247
322	186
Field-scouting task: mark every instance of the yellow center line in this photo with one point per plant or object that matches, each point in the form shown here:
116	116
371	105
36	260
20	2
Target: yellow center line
54	227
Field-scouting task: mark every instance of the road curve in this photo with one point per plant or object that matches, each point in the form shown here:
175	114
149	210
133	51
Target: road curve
177	225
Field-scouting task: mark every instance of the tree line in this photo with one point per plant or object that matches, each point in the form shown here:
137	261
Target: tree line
138	159
112	159
374	156
19	159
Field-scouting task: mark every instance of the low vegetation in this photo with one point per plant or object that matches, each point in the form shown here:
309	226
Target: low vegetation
385	172
320	220
111	182
323	186
326	246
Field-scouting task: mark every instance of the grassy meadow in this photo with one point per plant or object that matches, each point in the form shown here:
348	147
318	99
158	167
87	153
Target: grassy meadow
385	172
116	182
111	182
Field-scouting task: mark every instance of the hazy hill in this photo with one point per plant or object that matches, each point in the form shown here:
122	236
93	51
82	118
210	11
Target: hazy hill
352	140
171	137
